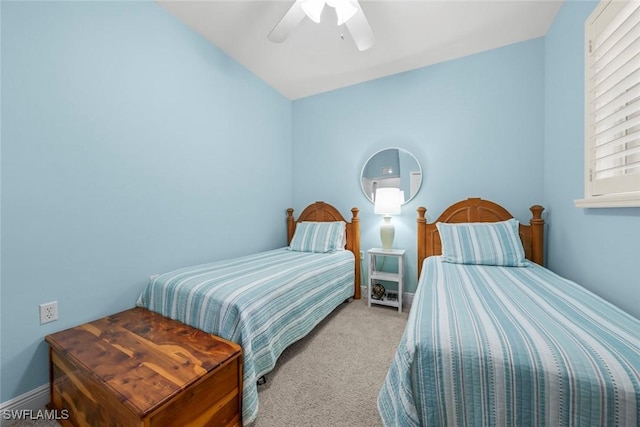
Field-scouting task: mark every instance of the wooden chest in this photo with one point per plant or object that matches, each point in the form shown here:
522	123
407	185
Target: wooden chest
138	368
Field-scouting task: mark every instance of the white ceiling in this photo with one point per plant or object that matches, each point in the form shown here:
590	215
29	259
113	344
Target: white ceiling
409	35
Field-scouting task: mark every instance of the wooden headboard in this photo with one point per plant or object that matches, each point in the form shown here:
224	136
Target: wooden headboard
324	212
479	210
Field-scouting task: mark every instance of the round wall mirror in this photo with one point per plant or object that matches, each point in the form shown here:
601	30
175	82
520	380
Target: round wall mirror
391	167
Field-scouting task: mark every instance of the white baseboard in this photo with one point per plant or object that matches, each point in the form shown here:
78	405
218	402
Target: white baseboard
407	299
32	400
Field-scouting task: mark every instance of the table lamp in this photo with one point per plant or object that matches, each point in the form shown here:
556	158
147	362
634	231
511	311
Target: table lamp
387	203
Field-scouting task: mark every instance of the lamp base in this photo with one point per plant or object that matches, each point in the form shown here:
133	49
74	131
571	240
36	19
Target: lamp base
387	232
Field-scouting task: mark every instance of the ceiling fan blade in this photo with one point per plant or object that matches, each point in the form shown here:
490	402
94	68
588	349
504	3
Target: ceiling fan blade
360	30
289	21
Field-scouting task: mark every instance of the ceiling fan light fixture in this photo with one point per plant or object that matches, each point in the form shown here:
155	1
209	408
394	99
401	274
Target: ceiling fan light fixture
348	12
345	9
313	9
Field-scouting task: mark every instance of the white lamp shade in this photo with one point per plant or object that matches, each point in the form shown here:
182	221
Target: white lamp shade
388	201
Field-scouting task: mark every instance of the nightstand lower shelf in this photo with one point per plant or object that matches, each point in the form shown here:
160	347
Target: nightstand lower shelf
388	302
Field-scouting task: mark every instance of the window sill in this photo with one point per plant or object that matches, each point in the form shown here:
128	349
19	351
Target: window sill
622	200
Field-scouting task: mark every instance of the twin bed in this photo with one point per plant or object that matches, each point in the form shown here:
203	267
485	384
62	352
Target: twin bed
267	301
495	339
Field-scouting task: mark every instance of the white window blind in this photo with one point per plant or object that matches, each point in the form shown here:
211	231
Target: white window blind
613	102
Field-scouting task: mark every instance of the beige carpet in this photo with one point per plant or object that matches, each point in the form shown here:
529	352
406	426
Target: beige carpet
331	377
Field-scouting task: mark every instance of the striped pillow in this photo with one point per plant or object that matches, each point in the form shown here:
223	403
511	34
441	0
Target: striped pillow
318	237
487	243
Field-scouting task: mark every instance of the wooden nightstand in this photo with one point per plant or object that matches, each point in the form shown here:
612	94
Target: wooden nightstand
138	368
376	275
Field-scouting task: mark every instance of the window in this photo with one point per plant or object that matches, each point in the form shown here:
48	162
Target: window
612	111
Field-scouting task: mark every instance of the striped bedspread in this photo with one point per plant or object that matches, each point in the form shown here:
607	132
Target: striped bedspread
264	302
511	346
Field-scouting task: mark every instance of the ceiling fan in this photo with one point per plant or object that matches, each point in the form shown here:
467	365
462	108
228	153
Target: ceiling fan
349	13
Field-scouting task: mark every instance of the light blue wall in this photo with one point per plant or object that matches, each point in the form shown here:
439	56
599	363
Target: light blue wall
476	125
597	248
130	146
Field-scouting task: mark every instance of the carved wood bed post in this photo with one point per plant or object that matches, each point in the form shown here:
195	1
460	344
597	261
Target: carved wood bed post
422	242
537	234
355	230
290	225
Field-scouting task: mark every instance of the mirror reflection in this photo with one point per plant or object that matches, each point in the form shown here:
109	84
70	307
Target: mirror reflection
391	167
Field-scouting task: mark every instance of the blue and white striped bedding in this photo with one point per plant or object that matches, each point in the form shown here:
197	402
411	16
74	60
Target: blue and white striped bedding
264	302
488	345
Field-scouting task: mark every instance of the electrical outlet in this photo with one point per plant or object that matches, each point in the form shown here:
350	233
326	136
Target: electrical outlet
361	255
48	312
